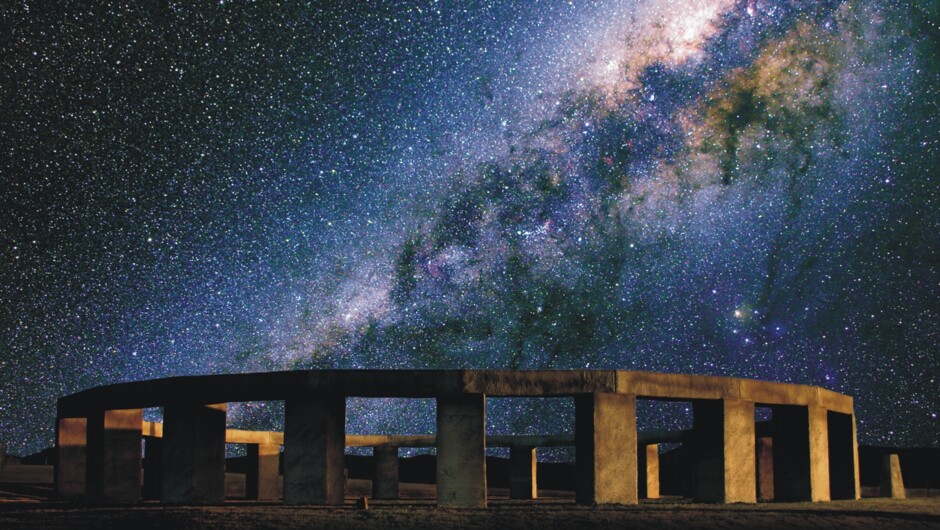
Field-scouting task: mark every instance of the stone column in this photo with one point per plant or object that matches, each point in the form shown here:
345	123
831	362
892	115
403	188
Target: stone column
385	478
648	471
801	453
765	468
314	445
461	451
892	484
71	458
605	449
153	468
842	456
262	476
113	458
722	447
194	454
523	479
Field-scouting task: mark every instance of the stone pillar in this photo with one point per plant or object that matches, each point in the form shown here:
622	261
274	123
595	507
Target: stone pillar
722	448
892	484
113	458
647	464
385	478
605	449
801	453
842	456
314	445
523	479
765	468
153	468
262	476
461	451
194	454
71	457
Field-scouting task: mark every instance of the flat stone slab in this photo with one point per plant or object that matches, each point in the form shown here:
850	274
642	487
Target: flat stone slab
275	386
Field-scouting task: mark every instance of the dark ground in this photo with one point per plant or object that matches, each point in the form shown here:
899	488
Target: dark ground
544	515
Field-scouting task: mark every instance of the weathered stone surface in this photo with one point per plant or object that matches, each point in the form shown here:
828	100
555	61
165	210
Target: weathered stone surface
722	447
892	483
71	444
648	471
605	450
523	479
194	454
314	436
765	468
801	453
461	451
385	479
262	480
538	382
113	458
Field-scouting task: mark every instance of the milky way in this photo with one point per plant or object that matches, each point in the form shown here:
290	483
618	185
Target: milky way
741	188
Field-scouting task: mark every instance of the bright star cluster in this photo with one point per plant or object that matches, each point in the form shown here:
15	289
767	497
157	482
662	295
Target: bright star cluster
745	188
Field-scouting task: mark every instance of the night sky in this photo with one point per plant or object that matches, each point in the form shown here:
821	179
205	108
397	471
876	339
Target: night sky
745	188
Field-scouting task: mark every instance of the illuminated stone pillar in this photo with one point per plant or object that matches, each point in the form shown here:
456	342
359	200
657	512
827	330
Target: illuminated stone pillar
194	454
385	479
892	484
71	449
765	468
261	477
801	453
605	449
314	444
114	456
722	447
523	479
461	451
648	471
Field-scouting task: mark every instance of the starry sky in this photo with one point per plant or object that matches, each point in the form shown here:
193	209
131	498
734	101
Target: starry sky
745	188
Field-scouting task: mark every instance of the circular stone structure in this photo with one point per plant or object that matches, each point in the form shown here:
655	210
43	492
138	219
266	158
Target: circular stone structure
99	435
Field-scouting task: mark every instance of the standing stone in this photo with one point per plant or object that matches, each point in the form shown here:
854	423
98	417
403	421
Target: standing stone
722	447
765	468
194	454
461	451
605	449
314	446
648	471
114	456
801	453
153	468
843	456
892	484
71	458
523	481
385	479
261	477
